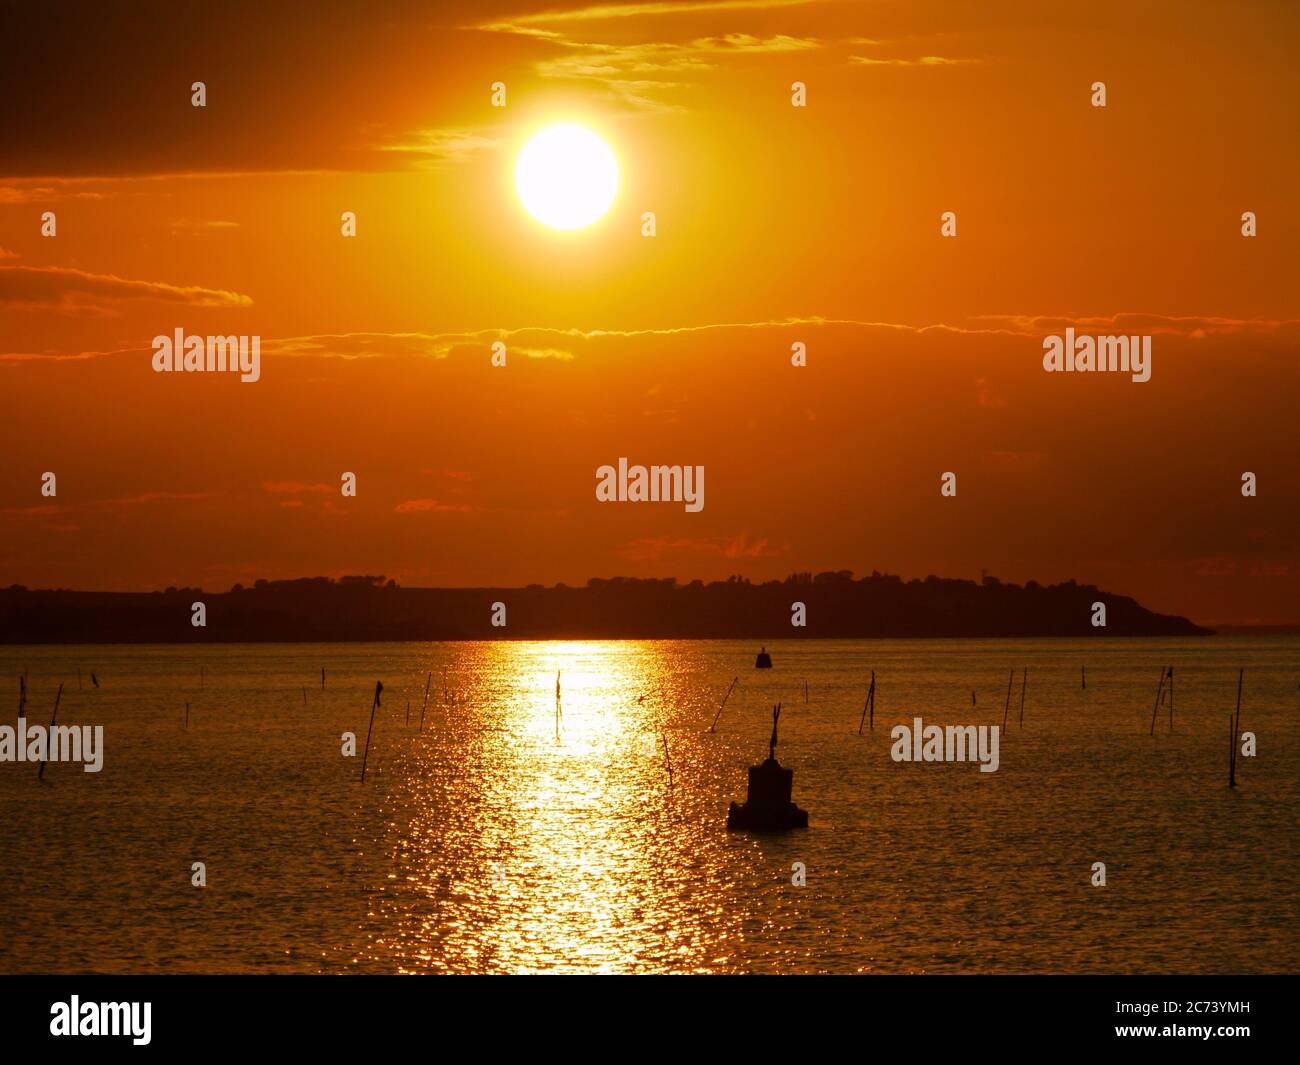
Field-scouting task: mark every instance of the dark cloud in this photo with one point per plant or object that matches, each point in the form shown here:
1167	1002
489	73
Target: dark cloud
104	89
54	286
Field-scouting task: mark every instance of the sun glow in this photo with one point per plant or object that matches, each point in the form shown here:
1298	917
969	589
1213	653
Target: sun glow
566	177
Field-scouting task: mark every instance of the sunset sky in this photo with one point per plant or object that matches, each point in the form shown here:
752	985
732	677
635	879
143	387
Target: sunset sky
775	224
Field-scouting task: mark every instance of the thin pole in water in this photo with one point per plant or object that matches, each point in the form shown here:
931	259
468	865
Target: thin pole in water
722	704
1006	708
426	699
304	695
1024	682
322	676
379	687
187	717
868	706
1159	692
41	774
1083	676
1234	730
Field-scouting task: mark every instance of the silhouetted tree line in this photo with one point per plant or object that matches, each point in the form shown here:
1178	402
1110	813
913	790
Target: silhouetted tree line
371	608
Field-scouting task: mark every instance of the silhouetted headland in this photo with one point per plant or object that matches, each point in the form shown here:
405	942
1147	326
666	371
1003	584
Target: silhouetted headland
370	608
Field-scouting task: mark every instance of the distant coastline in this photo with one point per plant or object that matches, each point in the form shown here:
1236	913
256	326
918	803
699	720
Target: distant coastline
356	609
1280	629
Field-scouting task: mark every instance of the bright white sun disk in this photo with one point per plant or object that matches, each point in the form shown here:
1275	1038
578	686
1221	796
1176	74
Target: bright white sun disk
566	177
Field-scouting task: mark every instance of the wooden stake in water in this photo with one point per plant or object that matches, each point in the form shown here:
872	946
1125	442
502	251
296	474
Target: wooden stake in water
869	705
558	712
322	676
1160	690
423	708
22	696
668	761
50	735
1241	673
1024	683
187	717
1083	677
304	695
379	687
1234	730
722	704
1006	707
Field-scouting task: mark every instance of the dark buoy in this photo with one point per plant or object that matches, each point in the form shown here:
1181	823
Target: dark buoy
767	805
764	660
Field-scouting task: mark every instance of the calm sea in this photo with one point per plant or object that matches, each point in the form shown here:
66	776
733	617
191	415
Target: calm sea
487	843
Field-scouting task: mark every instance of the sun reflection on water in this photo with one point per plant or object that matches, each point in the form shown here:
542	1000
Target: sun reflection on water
559	824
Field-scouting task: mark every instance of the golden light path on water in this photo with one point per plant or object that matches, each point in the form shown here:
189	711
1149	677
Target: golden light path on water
485	841
573	817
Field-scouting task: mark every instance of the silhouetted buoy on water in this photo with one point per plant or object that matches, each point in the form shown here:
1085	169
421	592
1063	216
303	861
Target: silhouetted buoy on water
764	660
768	807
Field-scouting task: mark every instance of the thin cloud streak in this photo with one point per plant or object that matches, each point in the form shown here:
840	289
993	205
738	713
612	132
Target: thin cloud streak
351	346
602	12
923	61
32	287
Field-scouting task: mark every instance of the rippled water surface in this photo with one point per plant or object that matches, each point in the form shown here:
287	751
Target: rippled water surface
485	842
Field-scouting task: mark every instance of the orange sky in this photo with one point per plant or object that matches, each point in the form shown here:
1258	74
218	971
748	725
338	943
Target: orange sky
775	224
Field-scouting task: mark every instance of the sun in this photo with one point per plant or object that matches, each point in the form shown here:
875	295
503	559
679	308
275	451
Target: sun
566	176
